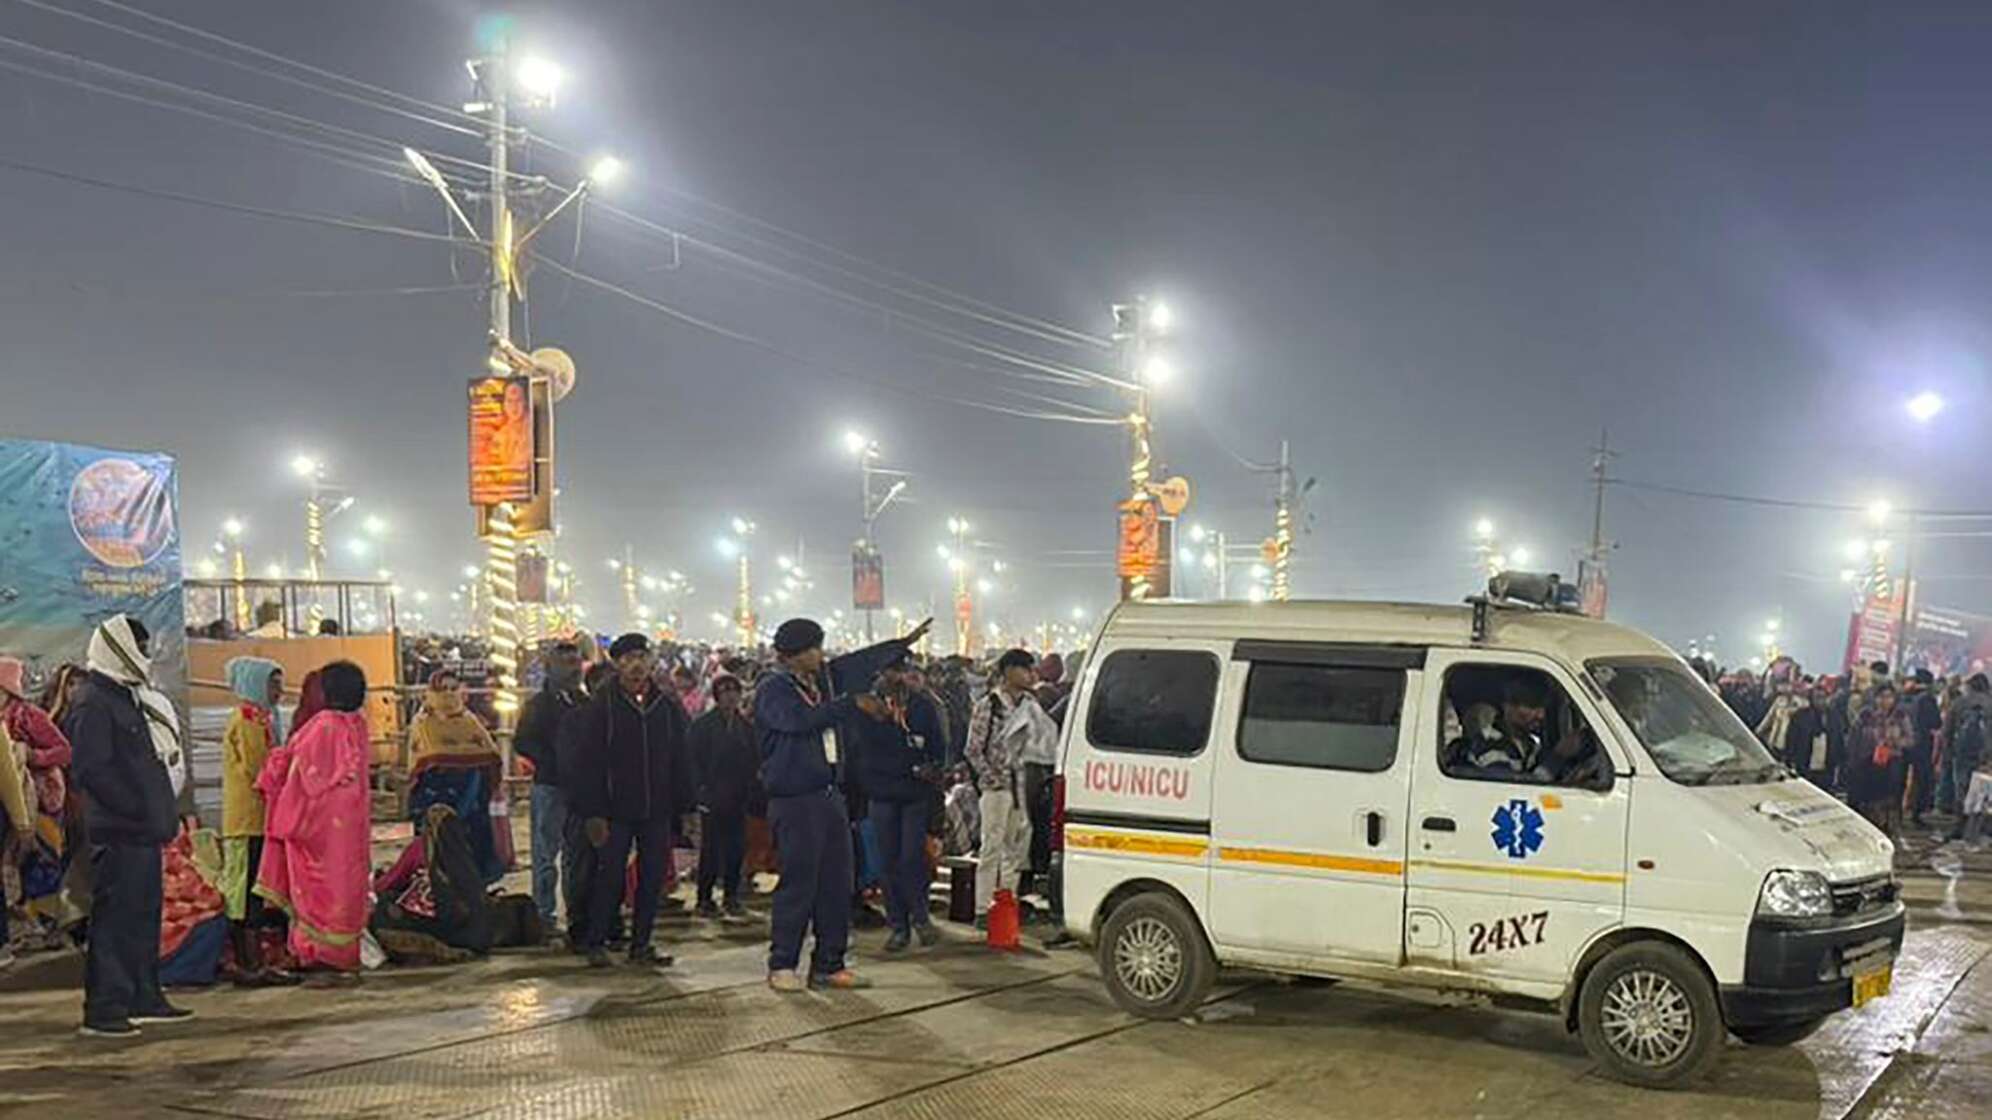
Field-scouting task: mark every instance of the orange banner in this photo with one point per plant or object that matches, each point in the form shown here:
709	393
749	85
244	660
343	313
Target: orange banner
1140	546
501	440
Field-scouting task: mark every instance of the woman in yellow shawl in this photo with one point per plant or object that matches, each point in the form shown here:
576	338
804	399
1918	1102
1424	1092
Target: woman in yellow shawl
453	761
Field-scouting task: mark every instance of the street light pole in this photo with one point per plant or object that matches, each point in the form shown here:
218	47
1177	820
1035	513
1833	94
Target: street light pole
1135	324
1283	528
964	605
238	563
743	607
872	506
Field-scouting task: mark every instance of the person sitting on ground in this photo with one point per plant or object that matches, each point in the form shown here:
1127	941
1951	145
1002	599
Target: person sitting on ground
432	907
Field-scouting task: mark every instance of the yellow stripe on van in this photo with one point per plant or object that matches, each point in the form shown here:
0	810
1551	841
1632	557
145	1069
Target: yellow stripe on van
1521	872
1315	860
1132	844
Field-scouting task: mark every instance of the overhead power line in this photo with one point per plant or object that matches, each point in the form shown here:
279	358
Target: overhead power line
812	363
388	152
1057	371
379	155
271	56
373	103
330	220
956	304
1792	503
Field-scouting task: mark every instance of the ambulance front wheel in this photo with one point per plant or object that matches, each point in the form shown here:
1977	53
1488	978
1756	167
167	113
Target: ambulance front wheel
1648	1014
1154	958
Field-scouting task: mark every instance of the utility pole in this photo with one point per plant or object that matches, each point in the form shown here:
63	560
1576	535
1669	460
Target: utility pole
1600	455
1592	587
1223	567
1135	326
493	80
1283	529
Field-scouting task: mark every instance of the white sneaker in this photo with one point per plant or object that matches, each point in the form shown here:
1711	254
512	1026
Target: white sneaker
787	981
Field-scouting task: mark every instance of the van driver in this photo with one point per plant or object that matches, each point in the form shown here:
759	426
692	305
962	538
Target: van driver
1510	747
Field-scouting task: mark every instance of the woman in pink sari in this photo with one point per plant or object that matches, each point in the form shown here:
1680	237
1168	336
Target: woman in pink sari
316	851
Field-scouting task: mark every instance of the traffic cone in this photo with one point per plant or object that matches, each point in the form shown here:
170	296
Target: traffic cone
1004	922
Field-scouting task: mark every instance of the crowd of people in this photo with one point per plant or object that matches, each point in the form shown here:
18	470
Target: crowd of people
851	778
1897	748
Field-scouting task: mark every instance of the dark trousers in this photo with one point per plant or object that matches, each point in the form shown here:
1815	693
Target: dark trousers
1924	790
121	973
578	861
901	827
722	849
813	842
652	839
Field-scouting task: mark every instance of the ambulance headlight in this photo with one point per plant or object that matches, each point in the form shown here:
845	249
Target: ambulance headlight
1795	894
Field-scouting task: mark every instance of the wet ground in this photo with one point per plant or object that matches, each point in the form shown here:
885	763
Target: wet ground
958	1033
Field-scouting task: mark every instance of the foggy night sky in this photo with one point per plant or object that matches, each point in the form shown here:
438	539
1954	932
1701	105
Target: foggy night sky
1435	246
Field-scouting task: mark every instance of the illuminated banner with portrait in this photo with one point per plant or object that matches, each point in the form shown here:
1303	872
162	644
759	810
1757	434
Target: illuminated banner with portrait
501	440
867	579
87	533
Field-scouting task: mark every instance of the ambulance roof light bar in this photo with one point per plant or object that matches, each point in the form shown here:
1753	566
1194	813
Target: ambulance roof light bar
1541	591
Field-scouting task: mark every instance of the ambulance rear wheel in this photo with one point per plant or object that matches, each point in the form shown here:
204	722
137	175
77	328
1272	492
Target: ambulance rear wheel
1648	1014
1154	958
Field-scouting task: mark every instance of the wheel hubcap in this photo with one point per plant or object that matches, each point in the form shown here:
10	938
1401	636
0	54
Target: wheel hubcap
1148	959
1647	1018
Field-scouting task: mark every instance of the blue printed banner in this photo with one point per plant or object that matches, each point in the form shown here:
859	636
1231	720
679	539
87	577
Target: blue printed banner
87	533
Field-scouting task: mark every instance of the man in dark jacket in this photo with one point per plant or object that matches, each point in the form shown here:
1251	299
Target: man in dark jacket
1967	736
129	818
898	756
726	759
631	780
1928	717
537	740
797	712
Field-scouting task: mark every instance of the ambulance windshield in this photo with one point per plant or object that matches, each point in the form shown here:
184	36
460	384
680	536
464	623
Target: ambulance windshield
1692	735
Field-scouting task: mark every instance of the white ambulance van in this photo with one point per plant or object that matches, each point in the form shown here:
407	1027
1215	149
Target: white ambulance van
1500	798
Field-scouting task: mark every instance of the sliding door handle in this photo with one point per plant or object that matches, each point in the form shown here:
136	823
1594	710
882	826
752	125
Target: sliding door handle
1440	824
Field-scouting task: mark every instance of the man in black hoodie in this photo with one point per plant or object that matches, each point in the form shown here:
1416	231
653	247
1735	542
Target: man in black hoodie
630	782
129	818
726	757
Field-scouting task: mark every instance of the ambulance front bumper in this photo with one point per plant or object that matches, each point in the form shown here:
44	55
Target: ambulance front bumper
1795	971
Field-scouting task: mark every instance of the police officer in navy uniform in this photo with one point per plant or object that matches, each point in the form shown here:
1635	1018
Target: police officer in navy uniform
799	711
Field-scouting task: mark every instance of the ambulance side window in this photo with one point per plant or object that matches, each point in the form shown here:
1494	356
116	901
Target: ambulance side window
1324	716
1511	723
1153	701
